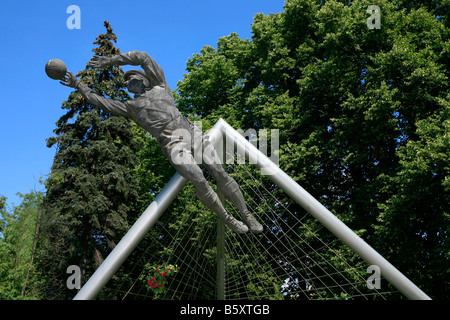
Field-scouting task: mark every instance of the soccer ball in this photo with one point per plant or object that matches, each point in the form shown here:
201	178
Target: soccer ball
55	69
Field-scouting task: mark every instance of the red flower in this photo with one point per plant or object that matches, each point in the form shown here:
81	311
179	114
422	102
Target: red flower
157	282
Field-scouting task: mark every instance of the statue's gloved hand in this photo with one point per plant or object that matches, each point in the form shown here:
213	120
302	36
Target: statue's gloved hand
69	80
99	62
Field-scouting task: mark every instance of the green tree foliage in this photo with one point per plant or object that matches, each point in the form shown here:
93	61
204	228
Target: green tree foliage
19	278
416	216
362	115
363	119
90	191
153	170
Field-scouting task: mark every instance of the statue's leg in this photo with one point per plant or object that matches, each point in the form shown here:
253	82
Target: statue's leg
228	186
205	193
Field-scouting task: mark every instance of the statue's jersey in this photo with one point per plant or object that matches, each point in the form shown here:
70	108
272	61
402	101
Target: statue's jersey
154	110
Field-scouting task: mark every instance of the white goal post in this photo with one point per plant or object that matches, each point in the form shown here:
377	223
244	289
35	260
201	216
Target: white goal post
222	131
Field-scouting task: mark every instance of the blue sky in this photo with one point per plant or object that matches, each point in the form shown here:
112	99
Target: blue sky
33	32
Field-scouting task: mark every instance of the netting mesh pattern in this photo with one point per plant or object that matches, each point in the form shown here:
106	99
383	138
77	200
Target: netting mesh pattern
294	258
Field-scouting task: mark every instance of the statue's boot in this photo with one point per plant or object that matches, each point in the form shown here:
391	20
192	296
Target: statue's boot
251	222
234	193
211	200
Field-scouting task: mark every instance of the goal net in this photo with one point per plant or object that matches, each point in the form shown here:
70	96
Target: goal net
300	254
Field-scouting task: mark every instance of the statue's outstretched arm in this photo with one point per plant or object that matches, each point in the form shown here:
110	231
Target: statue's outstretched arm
153	70
113	106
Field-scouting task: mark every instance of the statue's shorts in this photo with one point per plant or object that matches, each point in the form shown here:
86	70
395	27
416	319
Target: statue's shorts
187	147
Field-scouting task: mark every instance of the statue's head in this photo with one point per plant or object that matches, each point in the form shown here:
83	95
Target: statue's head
136	81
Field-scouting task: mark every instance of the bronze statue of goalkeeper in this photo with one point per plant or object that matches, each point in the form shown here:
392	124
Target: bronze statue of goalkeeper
153	108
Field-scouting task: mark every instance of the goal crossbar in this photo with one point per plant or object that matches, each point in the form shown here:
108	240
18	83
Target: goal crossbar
221	132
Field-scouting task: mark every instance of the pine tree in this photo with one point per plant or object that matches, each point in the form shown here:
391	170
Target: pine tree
90	191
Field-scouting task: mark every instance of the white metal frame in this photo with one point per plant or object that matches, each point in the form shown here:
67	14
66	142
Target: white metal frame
220	132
